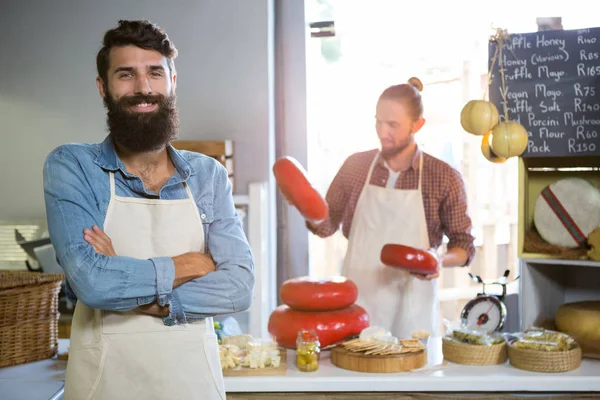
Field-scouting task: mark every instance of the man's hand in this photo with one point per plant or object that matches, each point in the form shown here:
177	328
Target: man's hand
99	240
154	309
429	277
192	265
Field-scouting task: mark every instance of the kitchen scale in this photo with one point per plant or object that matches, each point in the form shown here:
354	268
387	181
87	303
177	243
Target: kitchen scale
486	312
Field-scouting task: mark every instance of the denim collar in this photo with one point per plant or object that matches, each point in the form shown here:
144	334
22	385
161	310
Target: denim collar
109	160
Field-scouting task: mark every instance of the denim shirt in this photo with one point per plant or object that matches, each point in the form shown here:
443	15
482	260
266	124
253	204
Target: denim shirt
77	193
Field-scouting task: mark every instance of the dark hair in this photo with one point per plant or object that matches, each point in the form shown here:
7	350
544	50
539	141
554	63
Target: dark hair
408	94
142	34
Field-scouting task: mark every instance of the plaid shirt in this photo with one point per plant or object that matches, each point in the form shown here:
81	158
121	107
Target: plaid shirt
444	198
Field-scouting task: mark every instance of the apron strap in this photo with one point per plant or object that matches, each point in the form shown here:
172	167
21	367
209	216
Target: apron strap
112	184
420	170
371	170
188	191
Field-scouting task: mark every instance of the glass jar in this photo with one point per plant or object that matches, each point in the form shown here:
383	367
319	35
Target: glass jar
308	350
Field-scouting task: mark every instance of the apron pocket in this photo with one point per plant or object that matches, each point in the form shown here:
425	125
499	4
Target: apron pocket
211	350
84	370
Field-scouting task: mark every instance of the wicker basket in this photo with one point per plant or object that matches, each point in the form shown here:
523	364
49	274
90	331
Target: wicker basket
28	316
473	354
544	361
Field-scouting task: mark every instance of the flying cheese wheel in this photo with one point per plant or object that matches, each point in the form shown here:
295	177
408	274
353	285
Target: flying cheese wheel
295	187
567	211
409	258
581	321
318	294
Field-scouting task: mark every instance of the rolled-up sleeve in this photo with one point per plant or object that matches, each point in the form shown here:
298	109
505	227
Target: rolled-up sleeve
229	288
98	281
165	275
456	222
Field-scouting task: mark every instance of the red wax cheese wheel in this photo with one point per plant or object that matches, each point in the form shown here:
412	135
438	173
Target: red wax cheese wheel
294	185
332	327
409	258
318	294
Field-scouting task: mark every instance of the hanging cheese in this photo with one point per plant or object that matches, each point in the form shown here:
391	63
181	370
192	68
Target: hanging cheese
509	139
581	320
487	152
567	211
479	116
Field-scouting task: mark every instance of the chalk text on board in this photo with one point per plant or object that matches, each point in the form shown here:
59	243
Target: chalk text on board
519	73
545	133
584	91
575	147
520	106
553	107
583	134
543	148
588	56
569	120
580	106
547	73
539	59
541	90
510	62
583	70
585	40
533	121
541	41
518	42
515	95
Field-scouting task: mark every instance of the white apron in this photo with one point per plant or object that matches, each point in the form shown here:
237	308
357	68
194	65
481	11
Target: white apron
116	355
394	299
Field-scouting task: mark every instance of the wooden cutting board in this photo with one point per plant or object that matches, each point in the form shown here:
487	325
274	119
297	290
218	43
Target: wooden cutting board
361	362
268	371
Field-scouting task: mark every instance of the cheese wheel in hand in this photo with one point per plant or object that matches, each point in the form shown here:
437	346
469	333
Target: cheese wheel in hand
294	185
409	258
581	321
332	327
318	294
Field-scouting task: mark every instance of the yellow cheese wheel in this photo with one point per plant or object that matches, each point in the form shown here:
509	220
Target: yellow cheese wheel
581	321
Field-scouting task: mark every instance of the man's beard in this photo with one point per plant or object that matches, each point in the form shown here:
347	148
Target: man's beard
389	152
142	132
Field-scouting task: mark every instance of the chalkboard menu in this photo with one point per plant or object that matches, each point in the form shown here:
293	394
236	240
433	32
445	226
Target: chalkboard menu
552	88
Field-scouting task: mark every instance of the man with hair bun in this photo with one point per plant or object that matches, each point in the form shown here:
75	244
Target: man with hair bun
398	194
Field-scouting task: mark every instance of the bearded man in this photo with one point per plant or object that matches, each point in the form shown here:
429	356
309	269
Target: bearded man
148	237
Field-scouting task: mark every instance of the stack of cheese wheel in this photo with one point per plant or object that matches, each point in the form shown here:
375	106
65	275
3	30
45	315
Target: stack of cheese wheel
323	305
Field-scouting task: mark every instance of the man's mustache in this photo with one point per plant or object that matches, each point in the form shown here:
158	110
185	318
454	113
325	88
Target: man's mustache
141	98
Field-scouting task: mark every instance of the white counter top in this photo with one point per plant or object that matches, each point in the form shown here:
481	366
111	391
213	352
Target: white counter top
437	376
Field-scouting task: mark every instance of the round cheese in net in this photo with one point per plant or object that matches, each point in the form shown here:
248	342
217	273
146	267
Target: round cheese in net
567	211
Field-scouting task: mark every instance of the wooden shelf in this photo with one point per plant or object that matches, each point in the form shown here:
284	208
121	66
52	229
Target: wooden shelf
535	174
553	261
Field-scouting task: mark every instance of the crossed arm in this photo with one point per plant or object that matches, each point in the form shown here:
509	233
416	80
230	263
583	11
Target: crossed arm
191	286
187	266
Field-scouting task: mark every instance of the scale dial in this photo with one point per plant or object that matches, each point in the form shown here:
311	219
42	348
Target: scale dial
485	313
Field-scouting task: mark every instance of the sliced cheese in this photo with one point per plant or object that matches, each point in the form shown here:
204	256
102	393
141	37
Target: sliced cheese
580	320
371	332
